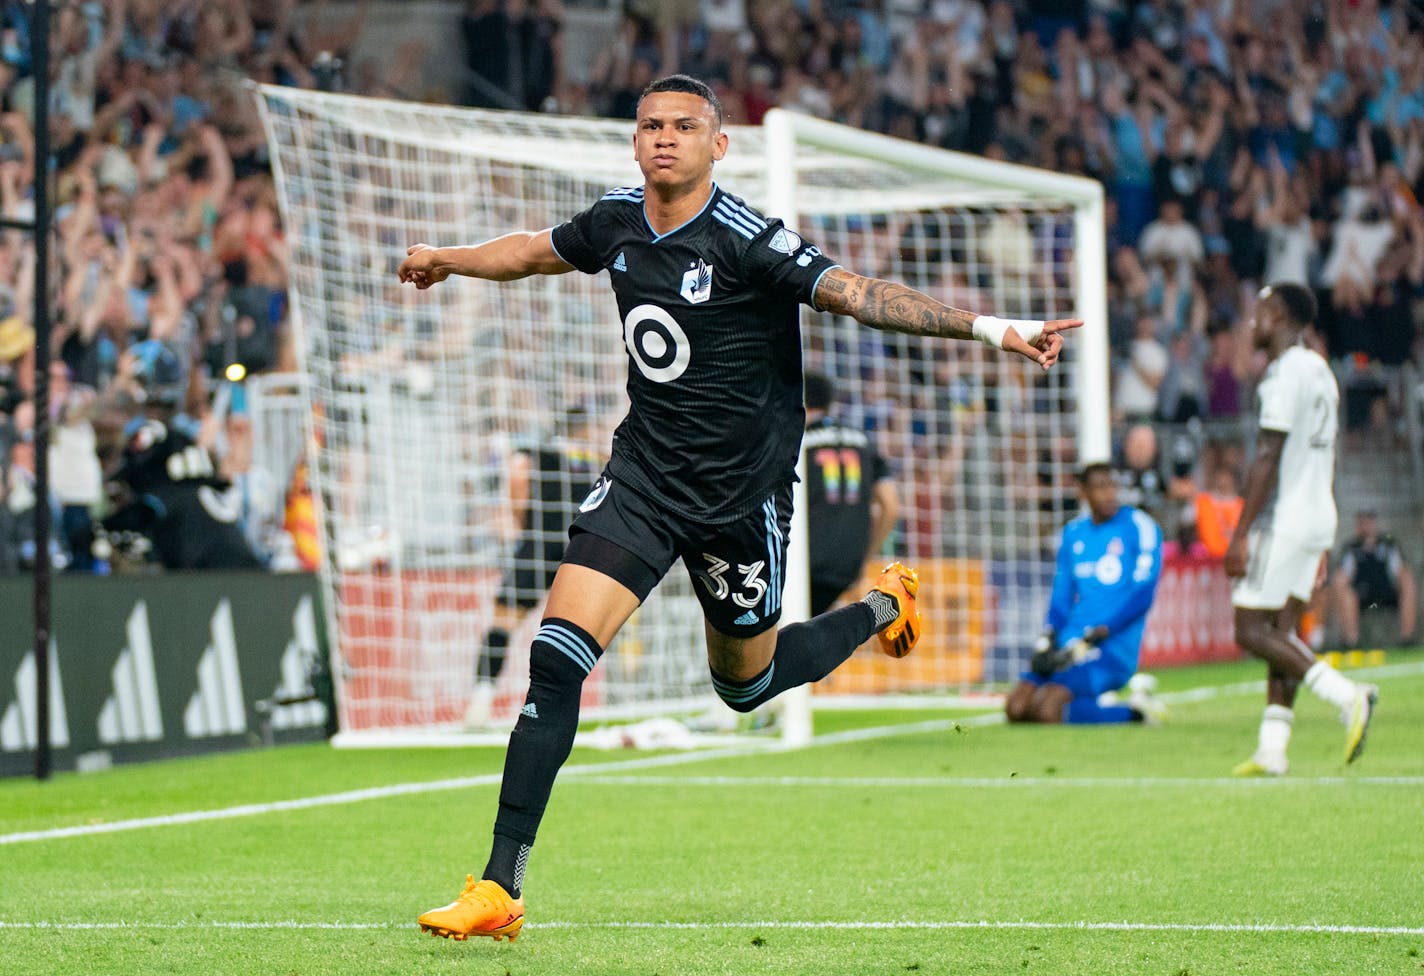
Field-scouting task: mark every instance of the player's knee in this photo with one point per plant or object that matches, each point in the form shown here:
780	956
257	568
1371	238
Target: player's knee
1250	627
549	670
1049	710
1016	705
561	656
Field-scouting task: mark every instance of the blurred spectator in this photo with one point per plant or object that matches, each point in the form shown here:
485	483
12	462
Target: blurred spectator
1222	375
1182	395
259	503
1372	574
1218	509
1289	232
1139	476
1170	240
75	475
1140	379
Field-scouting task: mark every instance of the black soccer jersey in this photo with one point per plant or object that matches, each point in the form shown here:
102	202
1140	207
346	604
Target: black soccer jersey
712	329
842	468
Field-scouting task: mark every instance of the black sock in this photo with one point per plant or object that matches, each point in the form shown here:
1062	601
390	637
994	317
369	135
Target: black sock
560	657
491	661
506	864
804	653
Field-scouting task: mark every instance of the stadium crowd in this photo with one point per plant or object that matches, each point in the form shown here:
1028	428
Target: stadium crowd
1241	142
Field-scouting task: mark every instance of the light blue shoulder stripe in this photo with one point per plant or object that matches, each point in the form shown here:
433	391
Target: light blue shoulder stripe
727	221
750	215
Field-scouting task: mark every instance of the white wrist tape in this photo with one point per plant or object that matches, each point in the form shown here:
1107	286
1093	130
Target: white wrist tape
990	330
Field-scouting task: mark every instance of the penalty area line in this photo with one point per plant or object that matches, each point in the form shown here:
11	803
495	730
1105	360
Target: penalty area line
1309	928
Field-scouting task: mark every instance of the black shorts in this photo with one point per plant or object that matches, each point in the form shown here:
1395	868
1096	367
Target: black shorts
738	569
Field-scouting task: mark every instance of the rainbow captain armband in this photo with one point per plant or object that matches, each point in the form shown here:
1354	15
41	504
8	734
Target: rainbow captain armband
990	330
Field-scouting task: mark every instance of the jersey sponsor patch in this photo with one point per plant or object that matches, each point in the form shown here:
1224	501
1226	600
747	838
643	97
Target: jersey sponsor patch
697	283
785	241
657	343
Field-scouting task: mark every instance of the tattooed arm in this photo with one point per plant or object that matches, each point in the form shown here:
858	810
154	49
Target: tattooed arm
893	307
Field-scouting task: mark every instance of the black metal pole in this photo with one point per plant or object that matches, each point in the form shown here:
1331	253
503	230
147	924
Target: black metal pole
39	60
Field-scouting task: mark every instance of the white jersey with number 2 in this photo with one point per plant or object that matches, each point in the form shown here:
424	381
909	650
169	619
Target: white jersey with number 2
1300	398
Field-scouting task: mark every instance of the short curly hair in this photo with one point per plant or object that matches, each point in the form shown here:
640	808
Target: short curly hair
1297	301
688	84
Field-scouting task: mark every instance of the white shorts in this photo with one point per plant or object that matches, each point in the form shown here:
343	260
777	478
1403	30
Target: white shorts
1279	568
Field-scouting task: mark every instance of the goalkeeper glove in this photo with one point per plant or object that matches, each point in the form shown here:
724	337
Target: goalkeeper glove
1048	661
1045	653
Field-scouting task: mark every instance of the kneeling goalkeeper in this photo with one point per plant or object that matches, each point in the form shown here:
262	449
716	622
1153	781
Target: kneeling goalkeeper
1108	562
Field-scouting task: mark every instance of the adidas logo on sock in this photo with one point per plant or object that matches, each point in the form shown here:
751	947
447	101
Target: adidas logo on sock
746	619
619	264
529	710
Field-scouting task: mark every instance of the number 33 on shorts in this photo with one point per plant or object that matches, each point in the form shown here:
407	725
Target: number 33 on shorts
751	589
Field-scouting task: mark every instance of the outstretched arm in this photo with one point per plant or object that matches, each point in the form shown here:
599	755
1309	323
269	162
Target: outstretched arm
893	307
506	258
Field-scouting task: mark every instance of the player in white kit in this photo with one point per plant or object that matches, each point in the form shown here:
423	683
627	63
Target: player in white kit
1287	525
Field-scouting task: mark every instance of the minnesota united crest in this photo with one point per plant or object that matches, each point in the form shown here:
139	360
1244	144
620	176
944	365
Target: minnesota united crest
697	283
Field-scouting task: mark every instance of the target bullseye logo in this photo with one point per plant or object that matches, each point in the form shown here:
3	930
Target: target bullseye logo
657	343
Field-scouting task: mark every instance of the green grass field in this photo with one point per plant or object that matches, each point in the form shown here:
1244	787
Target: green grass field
947	845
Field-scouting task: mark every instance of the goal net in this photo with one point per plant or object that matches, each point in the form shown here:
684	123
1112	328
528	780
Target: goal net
428	409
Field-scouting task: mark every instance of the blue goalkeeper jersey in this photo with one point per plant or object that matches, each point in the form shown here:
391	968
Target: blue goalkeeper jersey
1106	576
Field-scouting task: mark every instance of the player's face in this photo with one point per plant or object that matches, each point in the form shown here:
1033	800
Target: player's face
1100	492
677	139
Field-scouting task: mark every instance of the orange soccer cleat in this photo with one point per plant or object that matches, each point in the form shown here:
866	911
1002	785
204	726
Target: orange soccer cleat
483	908
902	583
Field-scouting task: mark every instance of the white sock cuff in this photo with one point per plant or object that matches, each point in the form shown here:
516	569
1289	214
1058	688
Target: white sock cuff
1330	685
1278	713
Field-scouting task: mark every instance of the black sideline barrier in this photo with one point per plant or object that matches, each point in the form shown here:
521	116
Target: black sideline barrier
153	666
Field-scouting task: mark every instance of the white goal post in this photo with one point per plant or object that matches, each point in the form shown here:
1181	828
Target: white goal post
418	402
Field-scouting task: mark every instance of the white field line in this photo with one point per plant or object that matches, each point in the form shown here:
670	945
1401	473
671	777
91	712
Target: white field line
602	768
1012	782
932	925
466	782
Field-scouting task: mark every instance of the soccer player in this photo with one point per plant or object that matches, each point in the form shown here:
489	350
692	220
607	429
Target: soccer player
1109	560
546	485
850	497
702	464
1274	555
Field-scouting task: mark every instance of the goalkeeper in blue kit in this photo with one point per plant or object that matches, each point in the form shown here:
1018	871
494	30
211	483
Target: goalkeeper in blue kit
1108	563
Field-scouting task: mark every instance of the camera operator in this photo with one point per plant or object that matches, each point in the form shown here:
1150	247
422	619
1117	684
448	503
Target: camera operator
166	485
